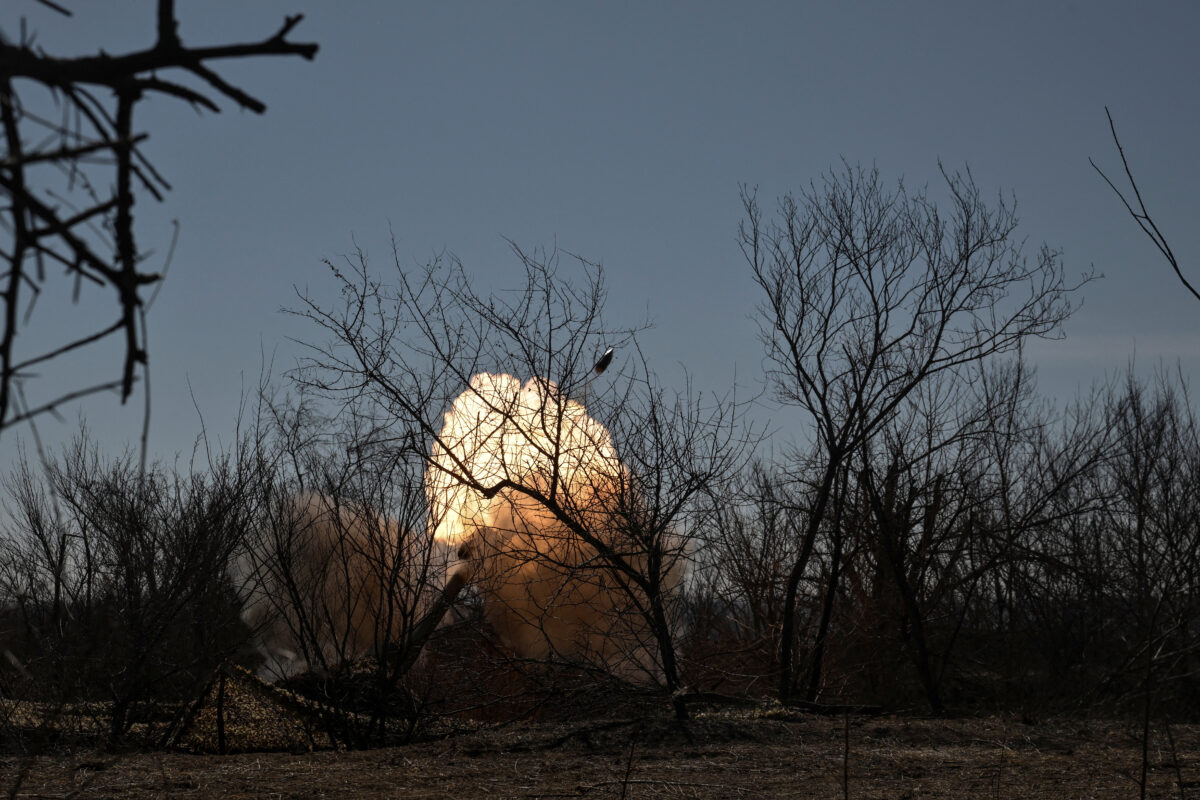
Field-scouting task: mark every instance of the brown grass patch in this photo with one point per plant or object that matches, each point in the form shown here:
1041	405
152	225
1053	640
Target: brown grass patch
716	755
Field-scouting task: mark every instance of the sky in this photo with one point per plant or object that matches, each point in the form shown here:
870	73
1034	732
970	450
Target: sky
622	132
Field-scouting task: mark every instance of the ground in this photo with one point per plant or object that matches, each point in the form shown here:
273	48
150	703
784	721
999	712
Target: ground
713	756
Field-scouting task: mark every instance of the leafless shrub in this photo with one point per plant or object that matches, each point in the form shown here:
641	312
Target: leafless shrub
747	544
339	570
116	579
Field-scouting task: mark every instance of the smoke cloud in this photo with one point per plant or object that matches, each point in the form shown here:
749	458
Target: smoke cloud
325	584
519	473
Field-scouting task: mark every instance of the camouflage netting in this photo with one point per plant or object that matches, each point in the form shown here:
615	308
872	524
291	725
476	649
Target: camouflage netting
254	716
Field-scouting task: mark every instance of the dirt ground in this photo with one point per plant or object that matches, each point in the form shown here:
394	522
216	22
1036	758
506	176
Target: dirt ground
712	756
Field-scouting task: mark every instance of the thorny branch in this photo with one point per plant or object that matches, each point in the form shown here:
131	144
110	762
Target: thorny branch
88	230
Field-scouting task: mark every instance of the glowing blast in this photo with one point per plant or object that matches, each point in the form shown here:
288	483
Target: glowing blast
545	590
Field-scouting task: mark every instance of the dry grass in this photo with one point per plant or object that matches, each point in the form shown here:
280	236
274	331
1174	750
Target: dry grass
746	755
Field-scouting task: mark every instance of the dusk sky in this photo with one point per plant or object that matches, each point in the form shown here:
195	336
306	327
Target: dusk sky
622	132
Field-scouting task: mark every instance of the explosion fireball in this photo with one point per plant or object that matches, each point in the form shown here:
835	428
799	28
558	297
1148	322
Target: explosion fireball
522	480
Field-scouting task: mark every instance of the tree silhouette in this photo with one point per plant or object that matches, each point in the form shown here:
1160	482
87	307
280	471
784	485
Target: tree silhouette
871	293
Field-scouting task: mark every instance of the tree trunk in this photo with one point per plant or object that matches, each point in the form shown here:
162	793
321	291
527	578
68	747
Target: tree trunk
814	675
890	538
788	628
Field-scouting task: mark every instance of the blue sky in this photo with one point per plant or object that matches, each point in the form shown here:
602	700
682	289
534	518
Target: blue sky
622	131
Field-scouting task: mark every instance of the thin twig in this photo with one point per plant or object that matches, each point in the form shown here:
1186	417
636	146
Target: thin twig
65	398
66	12
1140	215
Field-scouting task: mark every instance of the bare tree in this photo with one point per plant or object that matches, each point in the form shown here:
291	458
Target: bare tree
569	493
82	228
870	293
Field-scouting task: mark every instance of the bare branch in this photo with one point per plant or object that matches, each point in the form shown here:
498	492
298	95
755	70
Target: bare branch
66	12
1140	215
95	239
29	414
